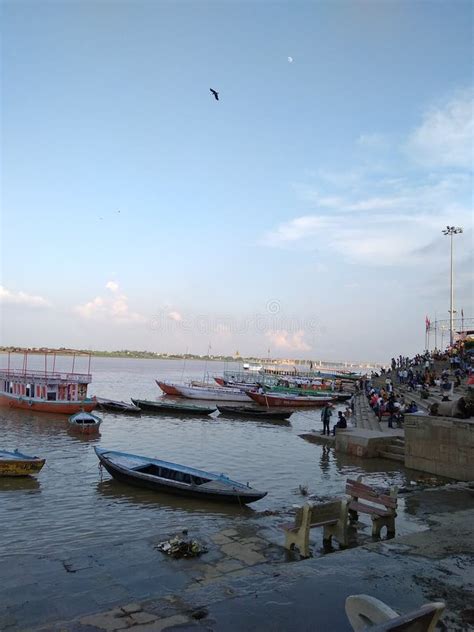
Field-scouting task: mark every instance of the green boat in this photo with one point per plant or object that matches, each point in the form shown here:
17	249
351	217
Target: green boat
171	407
320	392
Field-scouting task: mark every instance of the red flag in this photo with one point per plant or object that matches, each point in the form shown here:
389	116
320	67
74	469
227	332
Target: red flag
427	323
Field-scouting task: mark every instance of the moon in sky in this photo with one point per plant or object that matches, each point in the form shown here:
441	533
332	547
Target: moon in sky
290	60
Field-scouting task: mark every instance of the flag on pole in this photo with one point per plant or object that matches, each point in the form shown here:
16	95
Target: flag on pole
462	313
427	323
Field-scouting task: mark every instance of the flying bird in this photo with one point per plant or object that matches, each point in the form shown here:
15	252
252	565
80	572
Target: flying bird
215	93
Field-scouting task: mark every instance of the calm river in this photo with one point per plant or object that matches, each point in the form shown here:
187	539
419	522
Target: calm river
69	505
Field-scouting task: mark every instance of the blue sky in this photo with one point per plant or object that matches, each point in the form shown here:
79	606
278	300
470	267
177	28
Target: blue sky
302	213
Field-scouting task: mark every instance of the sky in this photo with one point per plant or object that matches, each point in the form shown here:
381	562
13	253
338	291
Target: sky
299	216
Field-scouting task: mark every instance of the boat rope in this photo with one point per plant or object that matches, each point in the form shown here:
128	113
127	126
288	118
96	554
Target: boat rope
75	473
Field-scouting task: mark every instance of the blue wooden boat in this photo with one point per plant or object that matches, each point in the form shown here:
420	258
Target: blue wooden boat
19	464
85	423
172	478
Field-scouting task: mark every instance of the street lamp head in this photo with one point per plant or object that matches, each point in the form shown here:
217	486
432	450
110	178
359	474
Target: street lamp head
452	230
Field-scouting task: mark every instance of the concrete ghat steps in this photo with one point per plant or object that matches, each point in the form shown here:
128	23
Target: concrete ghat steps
393	456
397	449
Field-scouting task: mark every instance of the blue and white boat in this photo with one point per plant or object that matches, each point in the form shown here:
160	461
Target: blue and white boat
162	476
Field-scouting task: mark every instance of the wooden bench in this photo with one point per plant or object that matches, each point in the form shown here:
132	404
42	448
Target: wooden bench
332	516
365	612
382	508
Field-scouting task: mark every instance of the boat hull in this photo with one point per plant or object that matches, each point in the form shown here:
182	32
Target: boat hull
168	389
113	406
129	477
61	407
86	429
288	402
257	413
20	466
217	394
164	407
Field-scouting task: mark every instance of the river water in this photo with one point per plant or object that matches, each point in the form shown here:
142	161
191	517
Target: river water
70	504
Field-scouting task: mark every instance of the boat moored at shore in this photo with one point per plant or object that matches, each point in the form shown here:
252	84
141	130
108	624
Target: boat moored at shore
211	393
45	390
288	401
163	476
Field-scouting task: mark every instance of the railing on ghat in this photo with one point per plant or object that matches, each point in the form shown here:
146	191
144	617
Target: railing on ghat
44	376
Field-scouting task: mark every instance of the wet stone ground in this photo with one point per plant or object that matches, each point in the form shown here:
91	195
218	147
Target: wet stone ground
246	580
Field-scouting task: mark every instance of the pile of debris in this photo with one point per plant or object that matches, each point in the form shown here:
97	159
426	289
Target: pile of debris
179	547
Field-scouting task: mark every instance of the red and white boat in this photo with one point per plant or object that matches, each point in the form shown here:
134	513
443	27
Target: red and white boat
168	388
213	393
288	401
48	391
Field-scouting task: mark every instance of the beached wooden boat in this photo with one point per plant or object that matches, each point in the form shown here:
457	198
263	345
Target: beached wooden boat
260	413
211	393
19	464
162	476
85	423
288	401
171	407
168	388
114	406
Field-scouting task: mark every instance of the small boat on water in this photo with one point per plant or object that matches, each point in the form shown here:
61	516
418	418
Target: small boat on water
171	407
288	401
19	464
114	406
259	413
211	393
85	423
168	388
163	476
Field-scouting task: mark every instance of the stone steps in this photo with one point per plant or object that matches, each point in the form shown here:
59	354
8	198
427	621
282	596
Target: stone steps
393	456
397	449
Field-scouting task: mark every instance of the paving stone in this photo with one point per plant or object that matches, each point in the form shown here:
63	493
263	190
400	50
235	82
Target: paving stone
162	624
111	620
219	538
232	533
143	617
229	566
130	608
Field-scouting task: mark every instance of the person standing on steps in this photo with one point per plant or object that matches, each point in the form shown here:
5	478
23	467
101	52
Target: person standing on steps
325	417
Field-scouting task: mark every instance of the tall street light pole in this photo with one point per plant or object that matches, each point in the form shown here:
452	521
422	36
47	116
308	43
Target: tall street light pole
452	230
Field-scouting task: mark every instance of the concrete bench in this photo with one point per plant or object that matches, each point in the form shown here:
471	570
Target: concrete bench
332	516
382	508
365	612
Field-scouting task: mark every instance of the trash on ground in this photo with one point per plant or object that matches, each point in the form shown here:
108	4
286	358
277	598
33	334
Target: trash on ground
178	547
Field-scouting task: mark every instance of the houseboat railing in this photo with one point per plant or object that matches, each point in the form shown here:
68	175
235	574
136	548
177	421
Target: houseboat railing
33	374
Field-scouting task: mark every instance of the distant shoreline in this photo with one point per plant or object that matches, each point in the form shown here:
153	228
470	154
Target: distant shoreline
150	355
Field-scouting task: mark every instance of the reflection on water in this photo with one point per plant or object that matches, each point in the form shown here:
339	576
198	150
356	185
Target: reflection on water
19	483
118	492
68	504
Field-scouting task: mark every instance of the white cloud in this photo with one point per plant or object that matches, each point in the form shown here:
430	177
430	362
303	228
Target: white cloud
385	214
113	309
283	339
112	286
446	136
296	229
22	298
